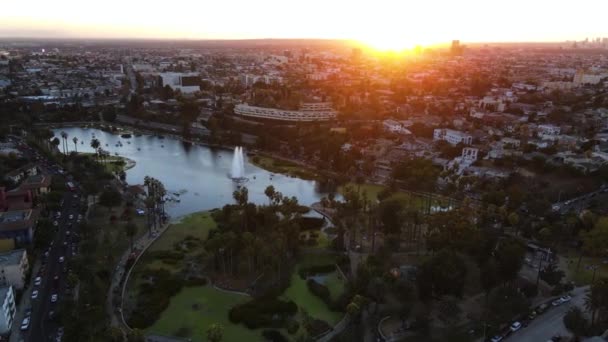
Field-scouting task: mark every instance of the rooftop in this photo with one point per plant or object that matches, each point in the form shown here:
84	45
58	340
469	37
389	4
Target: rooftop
12	257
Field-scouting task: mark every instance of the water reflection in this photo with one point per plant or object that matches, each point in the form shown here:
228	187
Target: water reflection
198	173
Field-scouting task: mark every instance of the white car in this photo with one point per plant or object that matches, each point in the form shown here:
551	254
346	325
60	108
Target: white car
34	294
61	259
557	302
25	324
496	338
71	217
37	281
54	298
55	223
565	299
515	326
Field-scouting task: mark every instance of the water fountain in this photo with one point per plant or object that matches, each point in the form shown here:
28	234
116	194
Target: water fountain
238	165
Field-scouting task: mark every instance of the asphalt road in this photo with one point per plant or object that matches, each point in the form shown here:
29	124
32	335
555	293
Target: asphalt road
42	327
551	322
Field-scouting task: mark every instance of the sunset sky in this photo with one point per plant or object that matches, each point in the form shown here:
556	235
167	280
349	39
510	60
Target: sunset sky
398	23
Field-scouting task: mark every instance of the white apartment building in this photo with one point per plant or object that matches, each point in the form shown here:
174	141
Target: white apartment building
187	83
249	80
7	311
581	77
451	136
548	129
13	268
308	112
395	127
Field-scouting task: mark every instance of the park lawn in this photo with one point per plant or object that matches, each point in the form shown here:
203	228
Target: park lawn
180	318
313	305
283	166
584	275
197	225
335	284
314	259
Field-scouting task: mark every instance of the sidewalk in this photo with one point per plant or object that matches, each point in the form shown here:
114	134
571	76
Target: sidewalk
140	246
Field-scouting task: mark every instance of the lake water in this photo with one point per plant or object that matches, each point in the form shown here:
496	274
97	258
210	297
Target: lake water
199	173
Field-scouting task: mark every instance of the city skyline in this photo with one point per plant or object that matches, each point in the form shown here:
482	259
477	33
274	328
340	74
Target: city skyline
384	24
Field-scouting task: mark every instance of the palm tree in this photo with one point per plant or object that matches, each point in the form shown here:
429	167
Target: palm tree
130	231
64	136
75	140
215	333
55	142
95	144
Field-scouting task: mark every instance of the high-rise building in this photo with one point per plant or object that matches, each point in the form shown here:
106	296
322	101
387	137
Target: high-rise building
456	48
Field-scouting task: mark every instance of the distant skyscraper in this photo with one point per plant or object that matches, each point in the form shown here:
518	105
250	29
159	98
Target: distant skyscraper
356	54
456	48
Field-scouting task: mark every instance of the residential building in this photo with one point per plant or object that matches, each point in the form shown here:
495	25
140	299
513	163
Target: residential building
452	136
19	225
13	268
8	309
187	83
395	127
37	184
17	175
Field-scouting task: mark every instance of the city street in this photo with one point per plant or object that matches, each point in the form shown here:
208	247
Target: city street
43	327
551	322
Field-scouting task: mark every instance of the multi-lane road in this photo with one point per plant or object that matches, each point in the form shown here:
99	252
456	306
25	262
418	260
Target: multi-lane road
53	269
551	322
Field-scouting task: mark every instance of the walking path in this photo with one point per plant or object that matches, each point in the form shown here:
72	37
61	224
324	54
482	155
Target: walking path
140	246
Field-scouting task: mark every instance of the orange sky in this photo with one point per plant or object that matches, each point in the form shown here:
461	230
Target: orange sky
383	23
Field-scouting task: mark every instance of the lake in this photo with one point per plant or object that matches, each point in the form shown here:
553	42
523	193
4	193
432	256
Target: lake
200	174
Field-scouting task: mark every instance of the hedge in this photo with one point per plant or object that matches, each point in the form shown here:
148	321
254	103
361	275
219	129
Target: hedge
310	223
263	312
274	336
305	272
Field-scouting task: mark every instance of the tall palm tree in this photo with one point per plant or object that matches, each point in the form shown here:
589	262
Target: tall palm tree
95	144
64	136
75	140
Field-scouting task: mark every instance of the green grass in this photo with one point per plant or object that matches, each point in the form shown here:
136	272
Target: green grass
283	166
584	276
335	284
313	305
407	199
213	305
197	225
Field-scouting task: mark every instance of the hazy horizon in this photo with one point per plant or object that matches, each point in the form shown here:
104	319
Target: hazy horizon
382	23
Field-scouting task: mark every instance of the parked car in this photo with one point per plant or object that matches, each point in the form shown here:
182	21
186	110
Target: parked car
34	294
25	324
37	281
54	298
515	326
496	338
566	299
61	259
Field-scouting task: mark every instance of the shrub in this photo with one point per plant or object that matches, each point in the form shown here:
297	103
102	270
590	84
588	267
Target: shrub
292	326
305	272
319	290
263	312
317	327
274	336
310	223
196	281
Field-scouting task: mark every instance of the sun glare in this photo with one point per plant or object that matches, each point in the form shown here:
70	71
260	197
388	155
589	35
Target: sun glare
382	42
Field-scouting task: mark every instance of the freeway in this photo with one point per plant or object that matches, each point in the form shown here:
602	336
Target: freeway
551	322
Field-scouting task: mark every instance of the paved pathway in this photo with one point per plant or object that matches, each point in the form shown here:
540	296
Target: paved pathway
140	246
